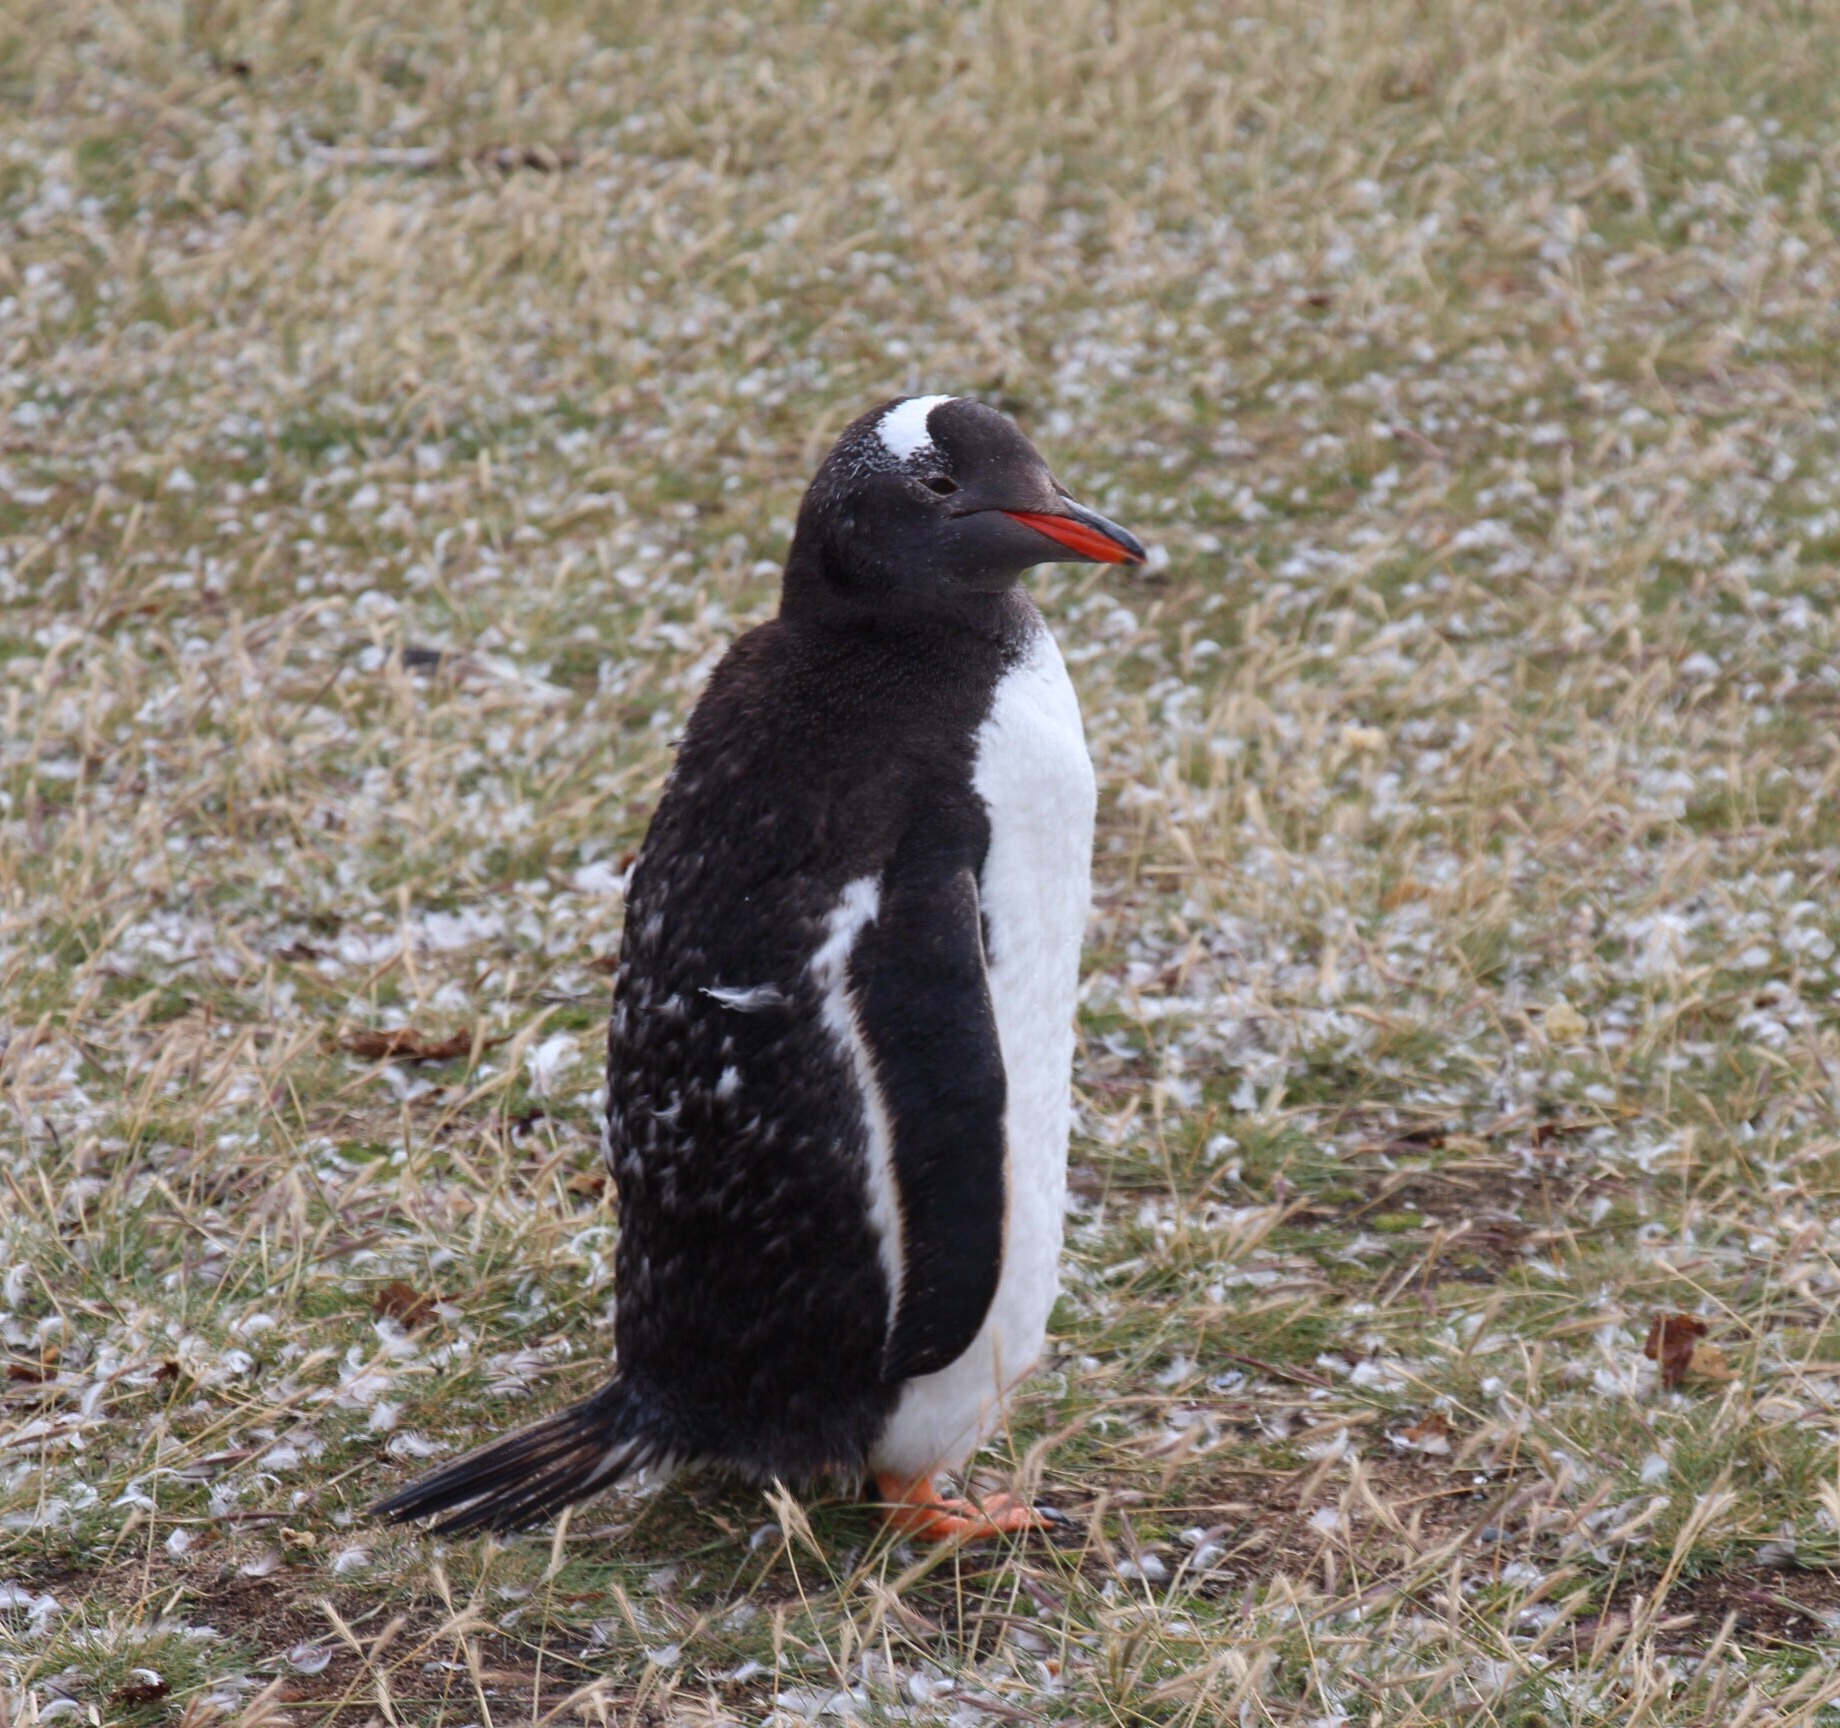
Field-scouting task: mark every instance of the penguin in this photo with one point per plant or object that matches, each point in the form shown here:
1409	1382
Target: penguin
840	1047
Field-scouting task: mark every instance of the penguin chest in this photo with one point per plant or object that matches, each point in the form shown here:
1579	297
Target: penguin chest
1035	779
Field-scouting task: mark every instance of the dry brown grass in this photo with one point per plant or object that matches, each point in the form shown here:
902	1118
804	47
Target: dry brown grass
401	410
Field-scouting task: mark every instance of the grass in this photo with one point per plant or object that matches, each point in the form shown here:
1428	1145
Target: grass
401	409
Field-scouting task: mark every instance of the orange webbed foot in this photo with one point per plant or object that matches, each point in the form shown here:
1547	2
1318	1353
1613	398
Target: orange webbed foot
916	1508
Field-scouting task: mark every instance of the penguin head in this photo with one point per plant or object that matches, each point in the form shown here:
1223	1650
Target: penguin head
929	499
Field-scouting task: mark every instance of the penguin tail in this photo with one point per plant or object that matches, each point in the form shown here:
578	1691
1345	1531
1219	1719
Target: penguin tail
532	1474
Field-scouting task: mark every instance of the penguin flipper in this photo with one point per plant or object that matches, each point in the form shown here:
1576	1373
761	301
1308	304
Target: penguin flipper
532	1474
923	1006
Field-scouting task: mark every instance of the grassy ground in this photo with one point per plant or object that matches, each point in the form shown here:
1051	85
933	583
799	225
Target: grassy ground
400	410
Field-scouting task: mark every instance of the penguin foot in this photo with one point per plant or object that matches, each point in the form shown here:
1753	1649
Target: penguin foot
917	1509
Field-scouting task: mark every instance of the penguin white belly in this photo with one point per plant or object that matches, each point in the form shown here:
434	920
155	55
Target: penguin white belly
1036	780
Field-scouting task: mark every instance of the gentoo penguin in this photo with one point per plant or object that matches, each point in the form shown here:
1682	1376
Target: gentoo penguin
838	1058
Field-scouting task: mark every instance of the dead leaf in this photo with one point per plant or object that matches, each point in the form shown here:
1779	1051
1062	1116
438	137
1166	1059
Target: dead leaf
1672	1342
1430	1433
544	158
35	1373
406	1044
1708	1363
403	1303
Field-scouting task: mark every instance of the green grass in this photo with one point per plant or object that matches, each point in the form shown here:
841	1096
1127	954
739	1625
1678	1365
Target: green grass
1461	989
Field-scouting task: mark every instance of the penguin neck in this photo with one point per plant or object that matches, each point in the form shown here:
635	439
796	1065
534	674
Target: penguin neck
812	592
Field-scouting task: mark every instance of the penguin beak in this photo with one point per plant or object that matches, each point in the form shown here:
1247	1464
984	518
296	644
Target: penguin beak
1083	532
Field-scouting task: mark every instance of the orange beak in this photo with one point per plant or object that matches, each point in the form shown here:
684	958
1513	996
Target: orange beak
1087	533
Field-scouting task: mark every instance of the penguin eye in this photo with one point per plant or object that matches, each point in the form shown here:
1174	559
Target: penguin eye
939	483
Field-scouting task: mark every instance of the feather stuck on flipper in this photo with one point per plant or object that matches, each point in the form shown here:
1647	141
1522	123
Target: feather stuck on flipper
534	1473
